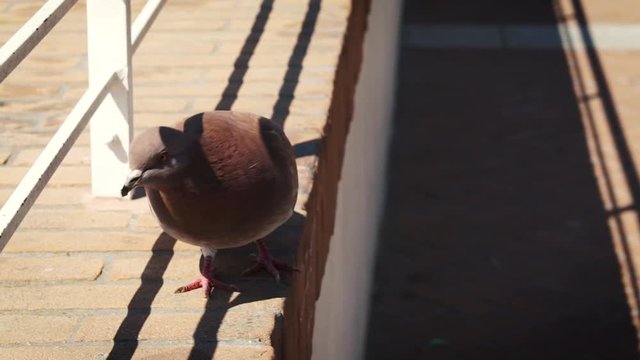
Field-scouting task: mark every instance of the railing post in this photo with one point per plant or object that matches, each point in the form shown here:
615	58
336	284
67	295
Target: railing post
111	128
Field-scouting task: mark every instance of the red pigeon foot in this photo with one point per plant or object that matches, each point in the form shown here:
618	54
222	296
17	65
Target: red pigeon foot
208	283
267	262
206	280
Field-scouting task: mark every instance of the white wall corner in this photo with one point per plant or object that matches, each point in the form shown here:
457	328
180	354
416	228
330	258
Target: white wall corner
340	327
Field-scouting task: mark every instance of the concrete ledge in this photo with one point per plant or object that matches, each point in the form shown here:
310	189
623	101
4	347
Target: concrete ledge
319	225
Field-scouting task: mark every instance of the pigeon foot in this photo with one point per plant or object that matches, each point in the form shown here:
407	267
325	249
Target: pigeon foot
206	280
208	284
267	262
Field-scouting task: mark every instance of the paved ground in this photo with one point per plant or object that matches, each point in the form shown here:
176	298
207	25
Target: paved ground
81	272
511	228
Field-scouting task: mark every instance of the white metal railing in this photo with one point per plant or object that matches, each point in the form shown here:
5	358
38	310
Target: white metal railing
111	41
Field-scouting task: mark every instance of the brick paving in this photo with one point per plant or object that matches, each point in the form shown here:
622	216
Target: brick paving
91	278
511	229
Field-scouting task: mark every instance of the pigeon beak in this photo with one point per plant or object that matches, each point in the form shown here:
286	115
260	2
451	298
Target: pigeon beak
131	182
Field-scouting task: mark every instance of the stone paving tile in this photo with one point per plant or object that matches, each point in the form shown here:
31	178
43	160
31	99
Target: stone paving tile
71	240
17	329
37	269
145	351
54	196
26	90
235	325
75	219
118	295
78	155
146	221
65	176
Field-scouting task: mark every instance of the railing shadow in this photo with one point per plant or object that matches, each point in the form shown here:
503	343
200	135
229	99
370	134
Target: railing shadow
294	65
205	334
622	147
205	339
139	308
307	148
140	305
241	65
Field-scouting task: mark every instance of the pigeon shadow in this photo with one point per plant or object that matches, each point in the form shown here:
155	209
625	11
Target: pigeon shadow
231	263
261	286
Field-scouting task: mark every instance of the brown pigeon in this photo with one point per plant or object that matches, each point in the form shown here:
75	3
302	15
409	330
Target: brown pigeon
219	179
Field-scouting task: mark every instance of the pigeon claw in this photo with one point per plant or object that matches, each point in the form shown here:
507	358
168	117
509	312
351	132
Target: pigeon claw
208	284
271	265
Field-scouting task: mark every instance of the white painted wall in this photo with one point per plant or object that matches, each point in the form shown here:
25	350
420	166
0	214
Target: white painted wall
341	312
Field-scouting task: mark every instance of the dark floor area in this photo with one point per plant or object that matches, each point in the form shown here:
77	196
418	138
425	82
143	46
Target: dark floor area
494	242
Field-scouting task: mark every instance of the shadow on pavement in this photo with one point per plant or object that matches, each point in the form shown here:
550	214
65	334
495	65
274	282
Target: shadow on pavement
494	243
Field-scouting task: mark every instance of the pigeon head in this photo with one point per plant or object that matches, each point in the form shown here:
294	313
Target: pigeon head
158	158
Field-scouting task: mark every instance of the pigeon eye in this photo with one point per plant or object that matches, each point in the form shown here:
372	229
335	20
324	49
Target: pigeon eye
164	156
